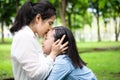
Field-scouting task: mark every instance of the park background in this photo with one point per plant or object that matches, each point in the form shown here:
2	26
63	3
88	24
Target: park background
94	23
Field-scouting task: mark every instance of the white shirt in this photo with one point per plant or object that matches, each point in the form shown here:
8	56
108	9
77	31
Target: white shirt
28	60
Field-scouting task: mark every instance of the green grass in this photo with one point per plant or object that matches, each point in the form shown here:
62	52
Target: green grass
105	64
5	60
88	46
97	44
5	69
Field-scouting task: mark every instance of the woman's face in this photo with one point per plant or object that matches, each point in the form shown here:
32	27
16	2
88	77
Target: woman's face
44	26
48	41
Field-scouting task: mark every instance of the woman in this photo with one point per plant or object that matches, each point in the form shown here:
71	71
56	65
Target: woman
68	65
29	62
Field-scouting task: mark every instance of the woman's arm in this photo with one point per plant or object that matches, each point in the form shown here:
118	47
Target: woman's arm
27	53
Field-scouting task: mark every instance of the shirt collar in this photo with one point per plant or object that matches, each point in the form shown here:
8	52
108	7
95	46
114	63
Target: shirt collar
29	30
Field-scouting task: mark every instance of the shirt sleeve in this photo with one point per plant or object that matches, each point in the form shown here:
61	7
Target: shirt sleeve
59	72
31	59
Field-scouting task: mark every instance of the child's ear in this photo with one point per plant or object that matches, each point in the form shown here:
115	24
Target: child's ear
38	18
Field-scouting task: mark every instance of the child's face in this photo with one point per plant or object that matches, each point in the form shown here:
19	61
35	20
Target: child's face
48	41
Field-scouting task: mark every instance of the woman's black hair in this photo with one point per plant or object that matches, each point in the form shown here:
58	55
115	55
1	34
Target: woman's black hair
28	12
72	51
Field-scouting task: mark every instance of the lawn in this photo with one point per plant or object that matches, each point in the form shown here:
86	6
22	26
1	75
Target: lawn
5	61
105	64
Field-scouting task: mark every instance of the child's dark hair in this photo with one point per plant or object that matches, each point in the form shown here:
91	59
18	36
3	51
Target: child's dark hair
28	12
72	51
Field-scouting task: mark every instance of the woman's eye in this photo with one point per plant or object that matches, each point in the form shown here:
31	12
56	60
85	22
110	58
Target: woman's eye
50	23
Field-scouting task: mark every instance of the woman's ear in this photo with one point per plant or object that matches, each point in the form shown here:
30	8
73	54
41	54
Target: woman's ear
37	18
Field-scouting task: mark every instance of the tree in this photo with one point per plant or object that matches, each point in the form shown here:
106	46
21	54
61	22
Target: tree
7	10
69	9
61	6
95	6
76	12
105	13
115	13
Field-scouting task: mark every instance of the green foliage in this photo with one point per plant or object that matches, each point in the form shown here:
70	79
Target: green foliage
7	10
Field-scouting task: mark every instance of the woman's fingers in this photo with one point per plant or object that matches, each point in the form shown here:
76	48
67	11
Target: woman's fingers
56	42
62	39
63	50
65	44
59	41
58	47
64	47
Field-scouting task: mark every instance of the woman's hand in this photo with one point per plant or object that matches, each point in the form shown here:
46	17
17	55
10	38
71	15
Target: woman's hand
58	47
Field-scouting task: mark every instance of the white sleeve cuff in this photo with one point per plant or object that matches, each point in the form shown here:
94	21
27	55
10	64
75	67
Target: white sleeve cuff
50	60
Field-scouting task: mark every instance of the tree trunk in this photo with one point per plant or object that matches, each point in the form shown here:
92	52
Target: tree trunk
2	28
119	26
99	38
17	5
116	32
62	10
97	17
69	21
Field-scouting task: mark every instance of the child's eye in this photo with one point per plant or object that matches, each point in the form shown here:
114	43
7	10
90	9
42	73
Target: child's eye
45	38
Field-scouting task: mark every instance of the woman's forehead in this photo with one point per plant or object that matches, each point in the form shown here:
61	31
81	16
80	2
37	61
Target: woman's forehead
52	19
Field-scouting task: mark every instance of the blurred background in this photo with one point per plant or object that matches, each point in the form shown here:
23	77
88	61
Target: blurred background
94	23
